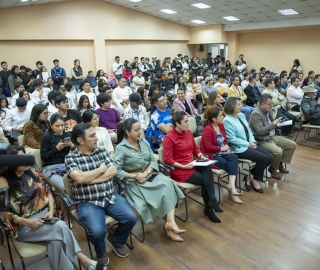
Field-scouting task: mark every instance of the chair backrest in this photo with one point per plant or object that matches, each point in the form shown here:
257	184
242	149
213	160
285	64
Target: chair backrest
21	140
303	117
160	153
67	186
38	159
143	136
192	124
198	141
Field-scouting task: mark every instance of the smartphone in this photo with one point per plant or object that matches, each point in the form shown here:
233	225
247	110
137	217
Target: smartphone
200	160
68	139
51	221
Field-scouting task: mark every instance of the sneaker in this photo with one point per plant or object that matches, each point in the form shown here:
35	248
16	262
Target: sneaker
268	174
119	251
104	259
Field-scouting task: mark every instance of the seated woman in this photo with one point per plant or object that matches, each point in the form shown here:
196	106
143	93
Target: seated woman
31	203
104	139
179	148
181	84
34	129
243	144
151	193
84	104
55	145
214	143
214	100
194	84
25	94
183	103
144	97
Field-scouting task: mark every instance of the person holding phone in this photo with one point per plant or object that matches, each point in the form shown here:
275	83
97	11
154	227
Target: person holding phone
179	148
31	210
117	68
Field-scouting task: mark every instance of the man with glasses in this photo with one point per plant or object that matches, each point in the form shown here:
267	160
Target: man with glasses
161	120
122	92
16	118
264	129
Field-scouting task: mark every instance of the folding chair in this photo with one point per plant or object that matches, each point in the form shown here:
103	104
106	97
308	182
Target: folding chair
67	196
218	172
192	124
2	265
182	185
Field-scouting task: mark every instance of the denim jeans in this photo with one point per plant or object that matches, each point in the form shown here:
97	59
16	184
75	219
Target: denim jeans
93	217
247	110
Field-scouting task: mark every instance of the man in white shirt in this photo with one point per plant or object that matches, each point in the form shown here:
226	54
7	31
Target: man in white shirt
143	67
137	111
114	103
295	95
245	81
85	90
138	81
52	109
122	92
18	87
64	92
38	96
241	66
117	68
221	87
16	118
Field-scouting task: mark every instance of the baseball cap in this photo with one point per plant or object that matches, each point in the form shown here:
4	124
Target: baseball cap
273	73
134	97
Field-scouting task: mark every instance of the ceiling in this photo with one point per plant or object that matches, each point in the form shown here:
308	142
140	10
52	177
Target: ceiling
248	11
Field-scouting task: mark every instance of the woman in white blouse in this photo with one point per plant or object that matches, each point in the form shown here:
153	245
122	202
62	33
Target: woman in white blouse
104	140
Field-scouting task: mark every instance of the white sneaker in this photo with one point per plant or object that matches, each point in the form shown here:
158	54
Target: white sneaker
268	173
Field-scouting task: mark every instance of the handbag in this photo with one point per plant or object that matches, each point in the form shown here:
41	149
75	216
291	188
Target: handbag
4	199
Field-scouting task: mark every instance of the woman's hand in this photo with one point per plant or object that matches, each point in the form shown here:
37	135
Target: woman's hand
253	145
188	166
141	178
48	215
34	223
61	145
225	148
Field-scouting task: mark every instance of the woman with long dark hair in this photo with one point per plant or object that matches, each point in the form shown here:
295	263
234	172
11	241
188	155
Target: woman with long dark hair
25	94
151	193
31	204
77	76
35	128
84	104
181	84
14	78
127	72
143	94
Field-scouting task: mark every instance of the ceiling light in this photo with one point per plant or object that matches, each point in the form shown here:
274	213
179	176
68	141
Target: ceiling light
287	12
230	18
24	1
198	21
168	11
200	5
135	0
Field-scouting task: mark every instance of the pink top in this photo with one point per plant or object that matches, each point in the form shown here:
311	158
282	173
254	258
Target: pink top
127	75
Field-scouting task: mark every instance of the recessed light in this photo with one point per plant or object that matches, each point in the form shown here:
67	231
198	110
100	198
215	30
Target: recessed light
24	1
134	0
287	12
230	18
200	5
198	21
168	11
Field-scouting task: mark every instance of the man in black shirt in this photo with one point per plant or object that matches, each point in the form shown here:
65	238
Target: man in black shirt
4	73
169	83
71	117
158	81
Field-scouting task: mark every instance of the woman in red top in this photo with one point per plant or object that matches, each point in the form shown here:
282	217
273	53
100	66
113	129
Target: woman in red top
179	148
214	143
127	73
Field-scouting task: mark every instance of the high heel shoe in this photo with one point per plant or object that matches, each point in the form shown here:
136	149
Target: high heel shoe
233	192
260	190
248	187
167	227
234	198
211	215
172	236
214	204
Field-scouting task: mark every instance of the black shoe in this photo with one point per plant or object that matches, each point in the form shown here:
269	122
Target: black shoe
248	187
208	212
214	204
260	190
283	169
274	173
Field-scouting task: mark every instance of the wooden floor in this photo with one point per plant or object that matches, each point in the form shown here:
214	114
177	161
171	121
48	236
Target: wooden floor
279	229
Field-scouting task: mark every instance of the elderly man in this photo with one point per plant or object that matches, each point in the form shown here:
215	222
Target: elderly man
263	127
311	107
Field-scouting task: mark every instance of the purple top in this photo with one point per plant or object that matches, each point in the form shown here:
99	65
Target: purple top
108	119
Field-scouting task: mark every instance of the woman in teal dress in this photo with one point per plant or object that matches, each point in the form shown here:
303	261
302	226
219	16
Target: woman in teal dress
151	193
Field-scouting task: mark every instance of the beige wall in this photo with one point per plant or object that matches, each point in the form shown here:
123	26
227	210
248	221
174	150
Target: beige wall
276	50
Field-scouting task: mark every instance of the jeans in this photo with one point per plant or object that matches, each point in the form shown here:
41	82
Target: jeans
93	217
247	110
229	163
118	77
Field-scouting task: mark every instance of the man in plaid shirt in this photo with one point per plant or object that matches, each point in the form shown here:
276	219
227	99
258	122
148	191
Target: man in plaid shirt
91	171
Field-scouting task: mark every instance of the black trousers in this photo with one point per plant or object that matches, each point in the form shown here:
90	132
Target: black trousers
262	158
203	177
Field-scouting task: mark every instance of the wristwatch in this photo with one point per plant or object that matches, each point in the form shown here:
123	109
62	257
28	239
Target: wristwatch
148	172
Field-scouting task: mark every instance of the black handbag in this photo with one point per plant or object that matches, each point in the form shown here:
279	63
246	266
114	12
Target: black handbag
4	199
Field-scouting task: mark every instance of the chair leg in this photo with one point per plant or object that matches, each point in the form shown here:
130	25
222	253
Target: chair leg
10	252
130	245
186	207
22	262
143	233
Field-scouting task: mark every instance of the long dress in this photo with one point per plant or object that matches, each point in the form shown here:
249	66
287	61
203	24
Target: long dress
152	200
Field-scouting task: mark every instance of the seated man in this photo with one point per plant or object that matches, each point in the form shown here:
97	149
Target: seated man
158	81
316	83
252	92
38	96
115	104
207	88
18	87
137	111
245	81
109	117
294	95
138	81
91	171
236	91
52	109
260	84
85	90
264	127
71	116
161	120
16	118
169	83
122	92
221	87
311	107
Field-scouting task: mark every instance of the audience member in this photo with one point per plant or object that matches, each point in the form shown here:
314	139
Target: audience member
138	81
252	92
221	86
77	75
84	104
57	73
311	107
14	78
122	92
114	103
117	68
85	90
38	96
52	109
295	95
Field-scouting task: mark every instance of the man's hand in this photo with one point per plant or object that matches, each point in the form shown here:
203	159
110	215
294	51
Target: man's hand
277	121
103	168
